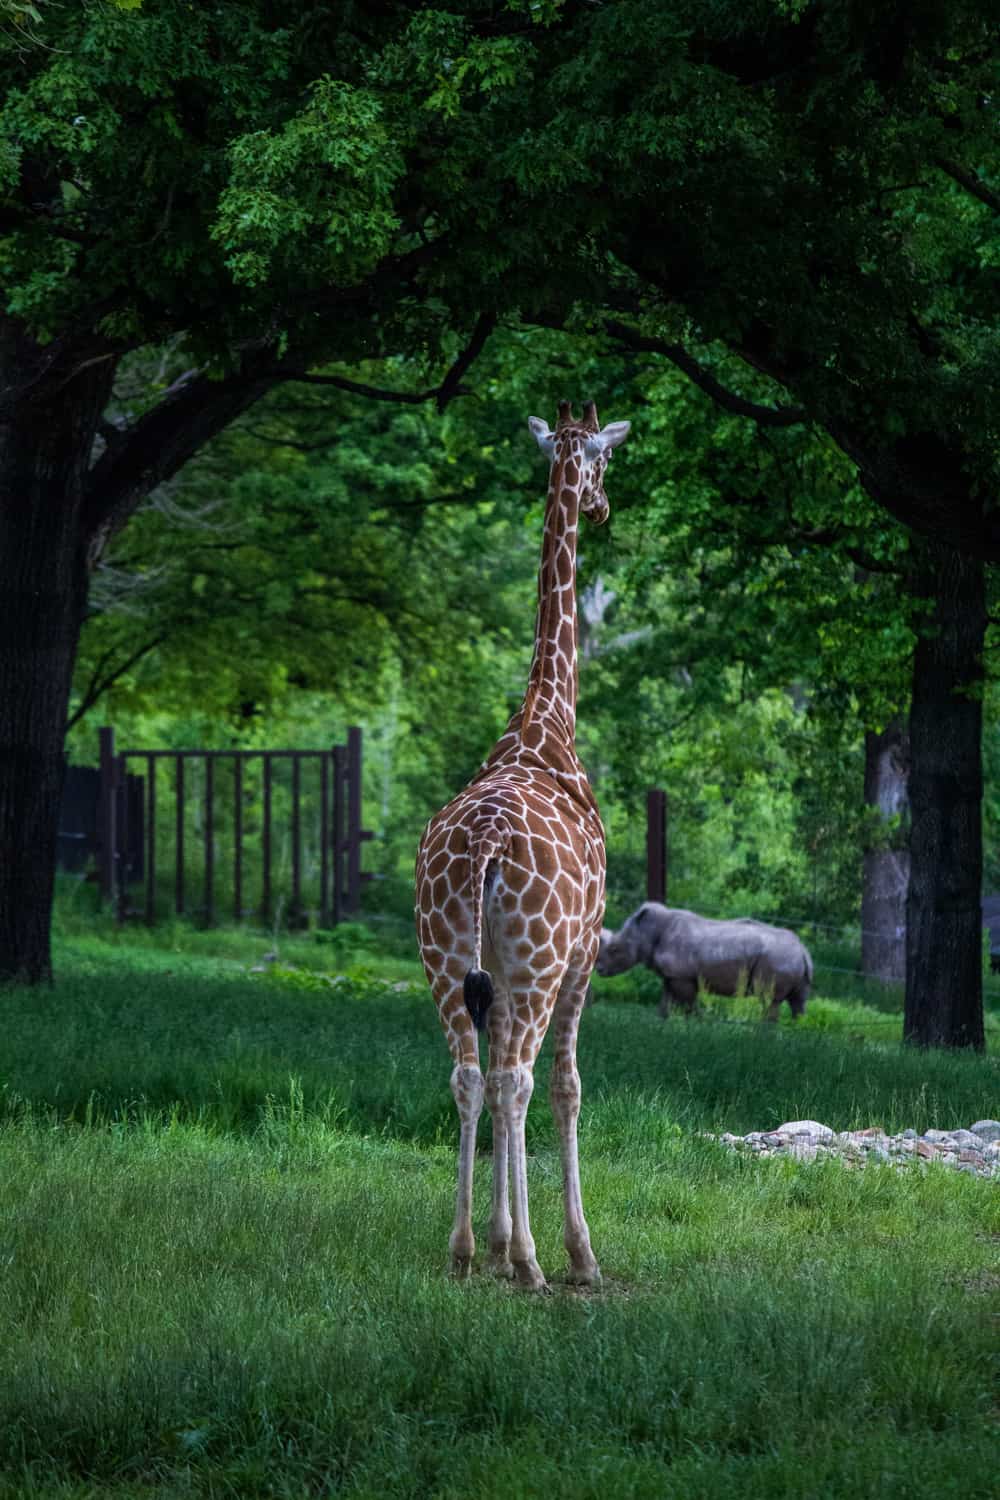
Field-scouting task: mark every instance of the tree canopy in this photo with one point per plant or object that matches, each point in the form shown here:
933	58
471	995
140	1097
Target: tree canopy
804	185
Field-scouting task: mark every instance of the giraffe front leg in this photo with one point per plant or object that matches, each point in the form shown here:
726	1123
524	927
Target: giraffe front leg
564	1092
514	1087
467	1088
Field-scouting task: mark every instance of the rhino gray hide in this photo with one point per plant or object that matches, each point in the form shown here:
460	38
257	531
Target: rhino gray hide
689	952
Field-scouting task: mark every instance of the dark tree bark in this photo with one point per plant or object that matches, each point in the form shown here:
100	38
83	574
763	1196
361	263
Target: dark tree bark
944	990
57	510
45	446
886	868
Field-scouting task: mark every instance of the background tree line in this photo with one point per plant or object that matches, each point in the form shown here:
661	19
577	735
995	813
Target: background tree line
793	205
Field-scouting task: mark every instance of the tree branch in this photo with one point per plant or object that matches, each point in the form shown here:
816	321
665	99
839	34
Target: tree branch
193	410
970	182
355	387
449	387
767	416
99	685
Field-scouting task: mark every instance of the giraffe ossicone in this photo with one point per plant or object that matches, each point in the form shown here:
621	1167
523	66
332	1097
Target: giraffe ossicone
510	891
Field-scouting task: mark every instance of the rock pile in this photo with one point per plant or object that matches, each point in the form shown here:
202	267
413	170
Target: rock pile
976	1150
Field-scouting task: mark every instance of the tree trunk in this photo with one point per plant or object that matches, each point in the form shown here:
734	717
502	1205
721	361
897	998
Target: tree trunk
45	447
886	868
944	984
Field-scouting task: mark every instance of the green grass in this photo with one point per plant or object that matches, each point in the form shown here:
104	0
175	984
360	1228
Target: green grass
224	1208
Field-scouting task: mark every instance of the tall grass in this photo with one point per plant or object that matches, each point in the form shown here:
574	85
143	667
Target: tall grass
224	1207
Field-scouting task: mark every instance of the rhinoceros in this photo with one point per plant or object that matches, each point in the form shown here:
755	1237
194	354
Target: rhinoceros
689	951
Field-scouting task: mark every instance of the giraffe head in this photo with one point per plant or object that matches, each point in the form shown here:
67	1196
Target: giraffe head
583	448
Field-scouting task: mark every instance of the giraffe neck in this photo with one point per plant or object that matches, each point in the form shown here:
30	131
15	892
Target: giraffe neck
550	700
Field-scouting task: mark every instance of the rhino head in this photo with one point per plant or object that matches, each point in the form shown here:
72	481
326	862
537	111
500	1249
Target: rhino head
620	950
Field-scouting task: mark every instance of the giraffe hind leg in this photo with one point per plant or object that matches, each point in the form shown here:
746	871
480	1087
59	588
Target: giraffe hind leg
499	1026
467	1091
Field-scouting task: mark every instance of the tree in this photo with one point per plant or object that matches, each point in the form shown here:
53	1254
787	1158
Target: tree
813	187
222	179
803	188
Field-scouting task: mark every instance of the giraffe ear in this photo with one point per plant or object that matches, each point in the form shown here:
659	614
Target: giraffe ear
608	437
543	437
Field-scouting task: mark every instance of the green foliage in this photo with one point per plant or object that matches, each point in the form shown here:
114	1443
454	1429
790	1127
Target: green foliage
784	188
333	560
326	180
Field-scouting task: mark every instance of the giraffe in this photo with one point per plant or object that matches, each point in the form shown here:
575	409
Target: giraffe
510	893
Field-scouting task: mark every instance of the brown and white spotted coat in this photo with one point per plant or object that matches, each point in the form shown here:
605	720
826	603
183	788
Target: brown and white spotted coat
510	881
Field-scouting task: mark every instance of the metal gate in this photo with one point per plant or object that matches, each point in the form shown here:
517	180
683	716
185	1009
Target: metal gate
336	773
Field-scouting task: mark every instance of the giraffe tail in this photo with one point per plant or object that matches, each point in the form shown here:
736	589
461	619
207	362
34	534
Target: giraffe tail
477	987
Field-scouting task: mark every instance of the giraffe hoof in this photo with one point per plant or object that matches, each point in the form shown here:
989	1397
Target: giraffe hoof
500	1266
584	1275
530	1279
461	1267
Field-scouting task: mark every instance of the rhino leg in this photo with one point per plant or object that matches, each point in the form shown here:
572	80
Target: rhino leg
797	1000
686	995
682	992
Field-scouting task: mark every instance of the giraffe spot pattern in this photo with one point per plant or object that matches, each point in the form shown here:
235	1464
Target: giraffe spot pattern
527	823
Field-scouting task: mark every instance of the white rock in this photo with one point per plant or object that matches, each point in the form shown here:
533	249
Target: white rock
966	1138
987	1130
806	1127
937	1135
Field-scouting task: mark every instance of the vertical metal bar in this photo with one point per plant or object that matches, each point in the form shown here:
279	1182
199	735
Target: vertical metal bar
209	838
106	818
238	837
266	841
353	819
324	838
656	864
179	834
296	911
339	810
122	830
151	839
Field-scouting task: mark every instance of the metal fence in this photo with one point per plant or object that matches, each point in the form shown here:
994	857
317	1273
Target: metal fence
212	818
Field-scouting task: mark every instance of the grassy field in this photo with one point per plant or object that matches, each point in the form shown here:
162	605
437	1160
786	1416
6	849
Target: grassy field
225	1203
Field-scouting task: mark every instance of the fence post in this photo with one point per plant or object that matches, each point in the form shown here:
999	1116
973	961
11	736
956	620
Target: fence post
325	834
337	836
238	837
151	839
265	900
179	834
353	901
656	845
122	837
106	821
209	838
296	915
